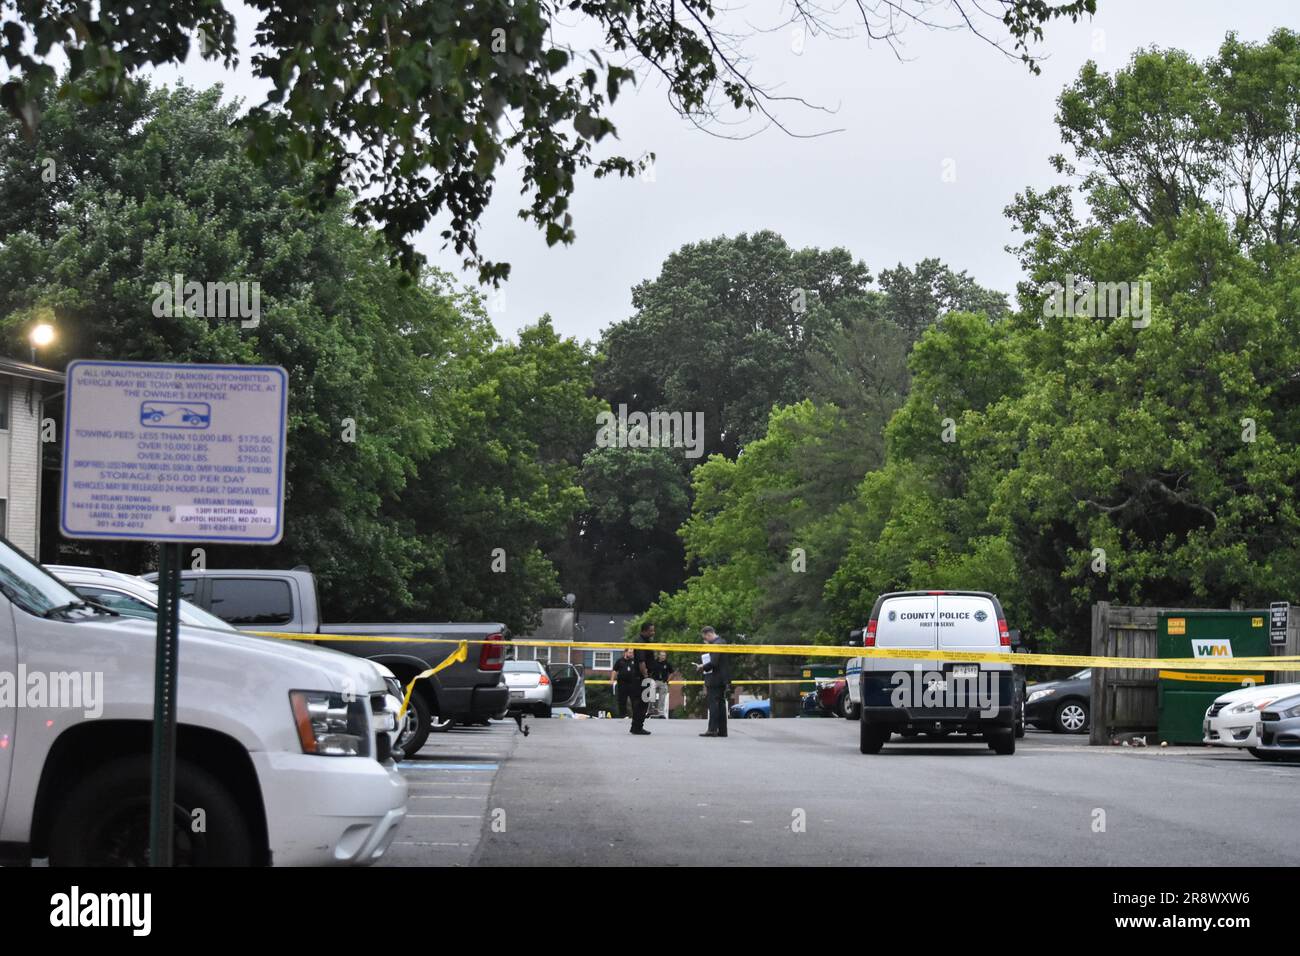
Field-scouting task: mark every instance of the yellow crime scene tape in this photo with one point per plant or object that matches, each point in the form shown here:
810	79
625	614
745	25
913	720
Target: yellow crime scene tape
1290	663
461	653
734	683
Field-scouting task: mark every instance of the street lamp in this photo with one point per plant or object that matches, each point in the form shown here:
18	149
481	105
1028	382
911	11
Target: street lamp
40	336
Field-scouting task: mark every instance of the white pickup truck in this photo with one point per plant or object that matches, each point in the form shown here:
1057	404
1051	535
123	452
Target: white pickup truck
283	751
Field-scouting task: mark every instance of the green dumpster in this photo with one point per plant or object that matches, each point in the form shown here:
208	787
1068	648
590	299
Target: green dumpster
1184	696
821	671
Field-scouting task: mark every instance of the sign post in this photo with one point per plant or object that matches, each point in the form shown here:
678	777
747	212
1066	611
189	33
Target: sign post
172	453
162	792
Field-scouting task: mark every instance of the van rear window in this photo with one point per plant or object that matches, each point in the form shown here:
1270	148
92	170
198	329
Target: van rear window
906	622
940	620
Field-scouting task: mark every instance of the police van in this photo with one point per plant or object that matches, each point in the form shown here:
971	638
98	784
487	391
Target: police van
937	697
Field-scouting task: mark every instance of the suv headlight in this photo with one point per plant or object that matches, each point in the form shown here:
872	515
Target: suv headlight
1040	694
329	725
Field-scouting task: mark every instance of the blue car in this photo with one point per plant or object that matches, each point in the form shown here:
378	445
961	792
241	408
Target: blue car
751	709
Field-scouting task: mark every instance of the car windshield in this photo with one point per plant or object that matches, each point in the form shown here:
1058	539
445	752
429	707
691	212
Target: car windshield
1081	675
530	666
32	588
144	603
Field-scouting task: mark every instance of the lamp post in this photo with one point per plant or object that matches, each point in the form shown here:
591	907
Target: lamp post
40	336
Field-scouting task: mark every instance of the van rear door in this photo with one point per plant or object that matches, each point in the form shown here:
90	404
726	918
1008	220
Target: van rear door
967	622
906	621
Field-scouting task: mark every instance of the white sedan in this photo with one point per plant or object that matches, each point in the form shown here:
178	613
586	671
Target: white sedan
1231	720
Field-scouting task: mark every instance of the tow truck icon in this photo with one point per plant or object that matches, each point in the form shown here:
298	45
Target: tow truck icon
192	415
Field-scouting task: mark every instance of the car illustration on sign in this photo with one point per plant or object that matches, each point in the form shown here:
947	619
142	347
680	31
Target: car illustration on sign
193	415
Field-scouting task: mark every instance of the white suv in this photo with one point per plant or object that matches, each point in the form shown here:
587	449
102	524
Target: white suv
282	749
913	696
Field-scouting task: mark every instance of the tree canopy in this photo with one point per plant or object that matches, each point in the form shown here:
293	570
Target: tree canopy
1059	458
415	107
419	444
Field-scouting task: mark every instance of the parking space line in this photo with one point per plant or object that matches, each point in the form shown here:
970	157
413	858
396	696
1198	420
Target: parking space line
448	783
444	816
430	796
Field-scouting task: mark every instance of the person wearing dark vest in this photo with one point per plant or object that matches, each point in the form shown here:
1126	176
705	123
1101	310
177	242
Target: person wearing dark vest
716	671
626	684
643	660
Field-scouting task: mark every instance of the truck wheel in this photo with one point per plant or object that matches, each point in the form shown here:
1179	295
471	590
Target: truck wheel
104	819
1002	741
544	711
871	738
415	726
1264	754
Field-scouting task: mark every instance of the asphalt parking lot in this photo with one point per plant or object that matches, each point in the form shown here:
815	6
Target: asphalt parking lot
781	792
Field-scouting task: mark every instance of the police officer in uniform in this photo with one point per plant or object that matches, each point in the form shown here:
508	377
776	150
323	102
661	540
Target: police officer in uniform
626	683
643	660
717	675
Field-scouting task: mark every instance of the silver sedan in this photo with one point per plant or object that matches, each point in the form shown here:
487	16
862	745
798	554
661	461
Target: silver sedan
530	687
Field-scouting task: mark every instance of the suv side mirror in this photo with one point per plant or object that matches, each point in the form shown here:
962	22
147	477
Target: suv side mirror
1015	637
855	637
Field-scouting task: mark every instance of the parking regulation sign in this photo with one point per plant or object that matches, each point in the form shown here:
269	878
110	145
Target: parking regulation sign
1278	612
159	452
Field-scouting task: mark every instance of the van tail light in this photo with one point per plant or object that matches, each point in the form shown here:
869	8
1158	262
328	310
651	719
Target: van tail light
1004	636
493	653
869	637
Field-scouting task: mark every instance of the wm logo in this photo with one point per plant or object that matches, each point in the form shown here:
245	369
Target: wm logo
1214	648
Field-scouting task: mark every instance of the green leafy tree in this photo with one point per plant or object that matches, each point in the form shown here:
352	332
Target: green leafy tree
1137	458
415	106
417	443
623	548
490	507
726	329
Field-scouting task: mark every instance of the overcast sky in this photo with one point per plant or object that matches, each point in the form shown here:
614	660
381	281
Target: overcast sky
877	188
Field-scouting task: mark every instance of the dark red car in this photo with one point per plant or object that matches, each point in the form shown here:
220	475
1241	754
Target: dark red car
833	697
